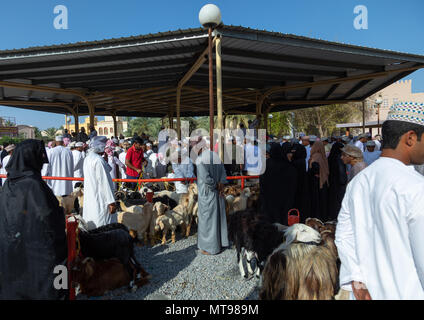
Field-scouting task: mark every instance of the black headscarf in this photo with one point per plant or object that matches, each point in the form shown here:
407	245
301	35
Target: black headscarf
32	228
286	148
27	159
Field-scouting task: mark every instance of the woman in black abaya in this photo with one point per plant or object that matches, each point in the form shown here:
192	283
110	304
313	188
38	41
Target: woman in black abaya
32	229
277	186
302	197
337	179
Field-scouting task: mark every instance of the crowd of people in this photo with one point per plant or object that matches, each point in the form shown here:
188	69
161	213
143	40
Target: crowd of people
367	184
311	174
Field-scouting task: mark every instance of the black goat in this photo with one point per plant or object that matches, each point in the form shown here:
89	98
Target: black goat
111	241
166	200
254	238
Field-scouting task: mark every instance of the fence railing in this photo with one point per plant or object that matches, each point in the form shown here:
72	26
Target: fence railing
242	178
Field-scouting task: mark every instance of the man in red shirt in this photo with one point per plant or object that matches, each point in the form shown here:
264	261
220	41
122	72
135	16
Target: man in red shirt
135	160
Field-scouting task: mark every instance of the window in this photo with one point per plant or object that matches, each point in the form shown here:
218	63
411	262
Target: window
106	132
385	103
111	130
101	131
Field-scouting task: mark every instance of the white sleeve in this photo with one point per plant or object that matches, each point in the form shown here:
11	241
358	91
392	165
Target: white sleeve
415	220
345	243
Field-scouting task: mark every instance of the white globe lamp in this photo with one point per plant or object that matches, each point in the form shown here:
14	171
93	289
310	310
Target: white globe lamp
210	16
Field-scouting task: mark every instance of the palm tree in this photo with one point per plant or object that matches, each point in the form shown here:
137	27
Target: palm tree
51	133
37	133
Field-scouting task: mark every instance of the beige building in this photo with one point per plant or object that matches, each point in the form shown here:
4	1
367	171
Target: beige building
400	91
27	132
103	127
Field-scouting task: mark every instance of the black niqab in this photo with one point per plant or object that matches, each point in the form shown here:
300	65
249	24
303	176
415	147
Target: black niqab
27	159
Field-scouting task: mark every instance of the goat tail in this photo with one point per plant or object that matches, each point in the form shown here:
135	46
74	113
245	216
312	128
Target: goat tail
274	277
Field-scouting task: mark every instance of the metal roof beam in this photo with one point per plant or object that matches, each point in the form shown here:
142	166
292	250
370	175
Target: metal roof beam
101	69
120	57
109	76
301	60
277	69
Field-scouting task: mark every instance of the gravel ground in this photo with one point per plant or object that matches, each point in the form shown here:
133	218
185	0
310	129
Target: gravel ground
180	272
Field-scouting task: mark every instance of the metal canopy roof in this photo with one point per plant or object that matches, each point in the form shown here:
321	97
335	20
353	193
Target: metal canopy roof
138	76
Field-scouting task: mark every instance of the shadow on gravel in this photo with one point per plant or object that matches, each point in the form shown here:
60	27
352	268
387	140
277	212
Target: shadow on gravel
162	267
254	294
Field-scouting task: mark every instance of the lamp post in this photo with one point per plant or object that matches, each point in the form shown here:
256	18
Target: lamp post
270	123
378	102
210	17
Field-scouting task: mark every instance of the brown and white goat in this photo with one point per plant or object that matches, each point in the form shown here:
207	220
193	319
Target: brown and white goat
301	268
239	203
68	202
95	278
170	221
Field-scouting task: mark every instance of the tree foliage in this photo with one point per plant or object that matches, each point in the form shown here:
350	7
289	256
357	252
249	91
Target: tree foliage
51	132
321	121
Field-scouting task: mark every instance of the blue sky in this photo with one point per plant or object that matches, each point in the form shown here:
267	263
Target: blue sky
393	25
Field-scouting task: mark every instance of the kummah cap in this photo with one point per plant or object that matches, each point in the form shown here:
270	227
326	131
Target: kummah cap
370	143
286	137
312	138
79	144
352	151
362	135
72	144
59	138
10	147
345	138
407	111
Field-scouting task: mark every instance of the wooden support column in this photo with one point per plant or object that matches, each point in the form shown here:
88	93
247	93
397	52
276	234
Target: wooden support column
363	116
178	112
218	63
91	111
171	120
115	126
76	117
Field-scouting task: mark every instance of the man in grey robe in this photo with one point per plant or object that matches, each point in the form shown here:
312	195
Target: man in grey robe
212	233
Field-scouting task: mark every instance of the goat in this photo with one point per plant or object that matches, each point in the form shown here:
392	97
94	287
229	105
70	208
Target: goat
139	221
111	241
170	221
68	202
170	194
238	203
187	205
95	278
254	238
314	223
131	209
302	268
166	200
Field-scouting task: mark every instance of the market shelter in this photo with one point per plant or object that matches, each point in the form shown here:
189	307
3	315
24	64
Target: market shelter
165	74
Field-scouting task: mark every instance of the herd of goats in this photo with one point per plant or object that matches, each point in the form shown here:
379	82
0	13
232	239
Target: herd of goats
298	262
